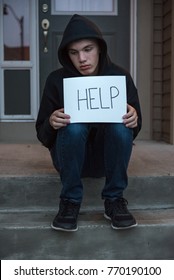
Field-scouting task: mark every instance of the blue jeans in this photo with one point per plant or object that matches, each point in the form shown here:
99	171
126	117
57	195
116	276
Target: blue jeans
68	157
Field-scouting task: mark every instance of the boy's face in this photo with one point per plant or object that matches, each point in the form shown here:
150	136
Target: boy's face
84	55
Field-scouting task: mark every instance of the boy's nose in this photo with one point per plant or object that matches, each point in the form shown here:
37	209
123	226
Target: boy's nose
82	56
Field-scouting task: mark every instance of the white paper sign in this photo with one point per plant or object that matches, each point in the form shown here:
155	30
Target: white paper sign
95	99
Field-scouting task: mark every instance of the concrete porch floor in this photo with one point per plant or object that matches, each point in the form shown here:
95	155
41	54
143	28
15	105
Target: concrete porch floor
149	158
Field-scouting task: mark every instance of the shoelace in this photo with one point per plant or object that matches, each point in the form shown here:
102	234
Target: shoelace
70	208
120	206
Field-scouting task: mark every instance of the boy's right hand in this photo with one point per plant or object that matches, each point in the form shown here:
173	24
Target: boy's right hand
59	119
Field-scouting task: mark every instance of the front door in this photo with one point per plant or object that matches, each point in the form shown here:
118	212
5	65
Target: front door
115	29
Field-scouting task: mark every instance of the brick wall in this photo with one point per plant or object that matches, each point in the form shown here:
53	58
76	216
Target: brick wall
157	70
161	100
167	51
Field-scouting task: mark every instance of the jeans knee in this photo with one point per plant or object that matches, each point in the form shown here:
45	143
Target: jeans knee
76	129
120	131
76	132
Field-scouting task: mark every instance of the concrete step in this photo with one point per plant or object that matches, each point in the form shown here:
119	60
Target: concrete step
27	235
43	192
28	205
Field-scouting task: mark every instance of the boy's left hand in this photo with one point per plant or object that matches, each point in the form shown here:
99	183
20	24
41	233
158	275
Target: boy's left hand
130	119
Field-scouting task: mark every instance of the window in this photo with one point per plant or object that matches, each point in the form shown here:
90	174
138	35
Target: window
16	83
16	30
90	7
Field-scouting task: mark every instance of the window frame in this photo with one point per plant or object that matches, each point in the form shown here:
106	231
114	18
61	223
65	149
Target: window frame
31	65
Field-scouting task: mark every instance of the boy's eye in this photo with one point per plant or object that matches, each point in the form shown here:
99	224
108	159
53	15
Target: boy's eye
72	52
88	49
75	52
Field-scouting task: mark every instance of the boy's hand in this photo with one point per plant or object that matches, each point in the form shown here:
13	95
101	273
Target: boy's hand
131	118
59	119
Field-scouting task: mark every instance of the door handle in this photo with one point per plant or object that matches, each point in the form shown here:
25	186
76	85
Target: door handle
45	26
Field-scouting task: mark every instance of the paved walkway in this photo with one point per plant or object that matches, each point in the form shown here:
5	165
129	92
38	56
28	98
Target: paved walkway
149	158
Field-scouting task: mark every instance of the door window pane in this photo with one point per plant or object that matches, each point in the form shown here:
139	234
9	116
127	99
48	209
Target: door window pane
17	92
16	30
93	7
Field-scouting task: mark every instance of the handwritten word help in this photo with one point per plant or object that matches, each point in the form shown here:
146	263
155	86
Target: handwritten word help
92	98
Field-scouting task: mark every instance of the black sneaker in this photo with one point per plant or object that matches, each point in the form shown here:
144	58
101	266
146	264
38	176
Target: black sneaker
66	219
117	212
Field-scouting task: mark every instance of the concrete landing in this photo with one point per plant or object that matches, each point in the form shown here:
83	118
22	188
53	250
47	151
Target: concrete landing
149	158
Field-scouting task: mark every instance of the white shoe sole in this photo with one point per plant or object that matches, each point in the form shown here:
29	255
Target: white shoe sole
121	228
63	229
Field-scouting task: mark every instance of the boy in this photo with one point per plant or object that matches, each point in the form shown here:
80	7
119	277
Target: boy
83	52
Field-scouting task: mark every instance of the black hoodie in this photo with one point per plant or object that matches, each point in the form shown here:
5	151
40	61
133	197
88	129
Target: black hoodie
79	27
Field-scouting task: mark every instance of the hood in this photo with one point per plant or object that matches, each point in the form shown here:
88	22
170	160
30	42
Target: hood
80	27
